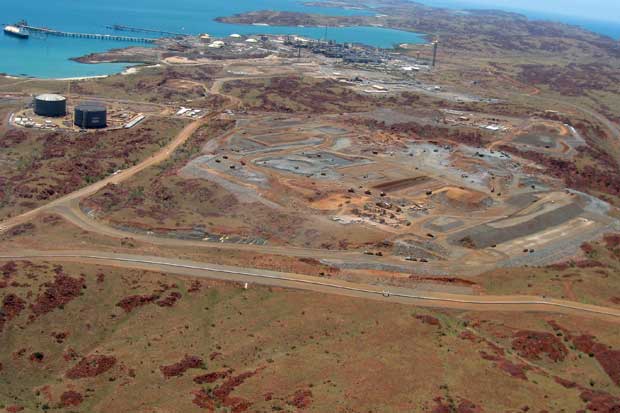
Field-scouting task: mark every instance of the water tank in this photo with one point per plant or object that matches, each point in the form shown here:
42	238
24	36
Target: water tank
50	105
90	115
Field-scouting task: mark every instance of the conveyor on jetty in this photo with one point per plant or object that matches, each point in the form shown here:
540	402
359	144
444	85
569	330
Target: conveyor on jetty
121	28
97	36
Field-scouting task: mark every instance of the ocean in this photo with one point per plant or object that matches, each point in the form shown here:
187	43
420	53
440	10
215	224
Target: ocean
48	57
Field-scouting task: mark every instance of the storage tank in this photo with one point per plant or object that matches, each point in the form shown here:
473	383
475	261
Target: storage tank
49	104
90	115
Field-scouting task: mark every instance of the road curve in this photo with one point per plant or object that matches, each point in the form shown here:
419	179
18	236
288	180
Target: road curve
154	159
512	303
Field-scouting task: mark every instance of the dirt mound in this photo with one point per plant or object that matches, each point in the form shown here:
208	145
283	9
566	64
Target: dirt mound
462	198
63	290
532	344
177	369
91	366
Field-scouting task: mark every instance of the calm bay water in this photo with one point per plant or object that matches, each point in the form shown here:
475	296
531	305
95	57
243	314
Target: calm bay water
47	57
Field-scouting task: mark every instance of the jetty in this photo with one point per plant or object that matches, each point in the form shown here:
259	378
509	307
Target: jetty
121	28
96	36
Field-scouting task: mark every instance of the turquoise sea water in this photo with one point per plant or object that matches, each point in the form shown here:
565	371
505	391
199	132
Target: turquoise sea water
47	57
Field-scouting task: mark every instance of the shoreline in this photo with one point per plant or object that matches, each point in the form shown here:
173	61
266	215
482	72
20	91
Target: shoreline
130	70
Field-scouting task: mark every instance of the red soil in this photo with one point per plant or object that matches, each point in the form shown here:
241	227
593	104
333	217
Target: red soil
464	406
223	391
170	300
587	248
600	402
91	366
612	241
212	377
71	398
427	319
515	370
203	400
8	269
220	396
195	287
566	383
301	399
609	359
14	409
532	344
177	369
100	278
134	301
12	305
589	264
63	290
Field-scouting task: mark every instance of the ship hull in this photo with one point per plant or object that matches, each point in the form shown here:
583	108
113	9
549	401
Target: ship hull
16	34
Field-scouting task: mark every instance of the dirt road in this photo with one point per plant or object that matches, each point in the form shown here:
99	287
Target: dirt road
158	157
510	303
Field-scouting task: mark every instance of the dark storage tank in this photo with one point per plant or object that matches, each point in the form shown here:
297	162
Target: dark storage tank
50	105
90	115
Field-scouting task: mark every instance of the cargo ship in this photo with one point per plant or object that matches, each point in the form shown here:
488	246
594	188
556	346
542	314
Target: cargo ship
16	31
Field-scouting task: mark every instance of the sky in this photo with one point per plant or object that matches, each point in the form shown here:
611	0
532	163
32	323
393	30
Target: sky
608	10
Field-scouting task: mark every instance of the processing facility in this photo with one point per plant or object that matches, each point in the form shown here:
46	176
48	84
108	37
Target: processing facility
50	105
90	115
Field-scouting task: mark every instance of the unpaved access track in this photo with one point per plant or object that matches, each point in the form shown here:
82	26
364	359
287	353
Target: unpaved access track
509	303
122	176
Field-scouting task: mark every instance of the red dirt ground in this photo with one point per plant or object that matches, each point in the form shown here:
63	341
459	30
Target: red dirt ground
427	319
301	399
12	305
130	303
608	358
212	377
533	344
91	366
63	290
71	398
177	369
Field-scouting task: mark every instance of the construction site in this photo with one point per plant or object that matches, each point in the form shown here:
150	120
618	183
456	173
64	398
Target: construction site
268	222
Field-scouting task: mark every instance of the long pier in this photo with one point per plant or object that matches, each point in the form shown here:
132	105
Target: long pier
121	28
96	36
